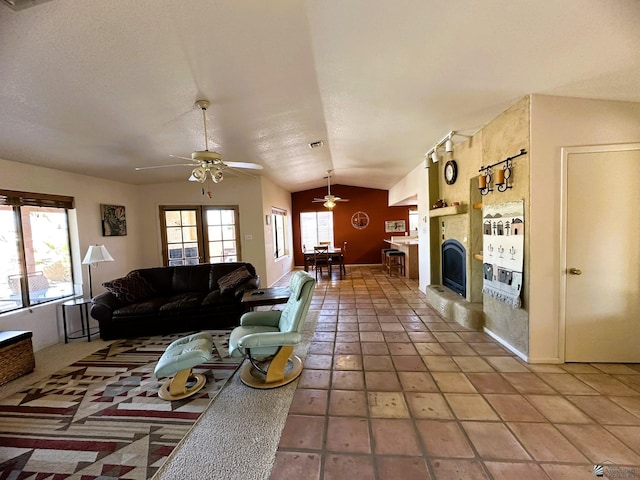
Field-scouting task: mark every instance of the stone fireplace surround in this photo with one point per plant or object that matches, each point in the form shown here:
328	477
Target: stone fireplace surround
455	225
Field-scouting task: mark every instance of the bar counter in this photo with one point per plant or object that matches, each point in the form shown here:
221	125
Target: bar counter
408	245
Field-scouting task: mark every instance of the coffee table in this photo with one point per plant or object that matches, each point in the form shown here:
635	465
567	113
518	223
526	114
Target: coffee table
265	296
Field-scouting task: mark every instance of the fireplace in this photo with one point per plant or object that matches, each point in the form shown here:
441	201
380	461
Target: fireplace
454	266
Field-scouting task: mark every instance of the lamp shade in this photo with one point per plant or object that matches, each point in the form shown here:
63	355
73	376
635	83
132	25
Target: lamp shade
97	254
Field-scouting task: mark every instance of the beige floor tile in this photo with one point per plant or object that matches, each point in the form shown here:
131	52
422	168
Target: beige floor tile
509	471
437	363
348	435
378	362
494	441
567	384
382	381
513	408
452	382
630	404
603	410
387	405
302	432
545	443
558	409
296	465
348	403
309	402
395	437
428	405
630	436
598	444
506	364
472	364
417	382
444	439
569	472
338	467
526	382
412	468
490	383
458	469
443	337
606	384
468	406
429	349
347	380
347	362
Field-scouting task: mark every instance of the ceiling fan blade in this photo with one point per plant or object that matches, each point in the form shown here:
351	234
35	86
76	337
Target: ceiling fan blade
236	172
166	166
316	200
340	199
184	158
252	166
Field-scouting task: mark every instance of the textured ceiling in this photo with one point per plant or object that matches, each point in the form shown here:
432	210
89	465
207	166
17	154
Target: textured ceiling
100	87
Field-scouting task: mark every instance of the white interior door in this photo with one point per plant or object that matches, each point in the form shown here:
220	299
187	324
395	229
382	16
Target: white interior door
602	304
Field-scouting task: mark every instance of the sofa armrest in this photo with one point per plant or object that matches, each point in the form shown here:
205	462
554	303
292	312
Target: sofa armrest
103	306
252	284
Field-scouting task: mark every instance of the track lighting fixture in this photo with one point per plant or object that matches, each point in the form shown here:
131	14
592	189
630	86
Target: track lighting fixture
447	142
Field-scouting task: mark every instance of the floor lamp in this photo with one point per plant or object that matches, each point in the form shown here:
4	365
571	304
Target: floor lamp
95	254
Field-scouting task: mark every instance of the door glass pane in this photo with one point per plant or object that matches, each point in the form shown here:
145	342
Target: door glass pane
172	218
222	234
182	237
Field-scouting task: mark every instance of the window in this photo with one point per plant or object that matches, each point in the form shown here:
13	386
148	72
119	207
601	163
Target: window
199	234
316	227
279	221
413	221
34	249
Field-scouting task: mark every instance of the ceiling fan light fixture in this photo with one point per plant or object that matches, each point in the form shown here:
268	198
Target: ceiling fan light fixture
217	176
199	174
330	204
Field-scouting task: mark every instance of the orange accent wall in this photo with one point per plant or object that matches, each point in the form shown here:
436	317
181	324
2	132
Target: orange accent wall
363	245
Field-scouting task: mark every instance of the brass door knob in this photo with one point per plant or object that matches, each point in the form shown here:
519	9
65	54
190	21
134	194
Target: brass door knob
575	271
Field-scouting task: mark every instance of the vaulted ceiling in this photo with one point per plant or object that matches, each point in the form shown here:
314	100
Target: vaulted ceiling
100	87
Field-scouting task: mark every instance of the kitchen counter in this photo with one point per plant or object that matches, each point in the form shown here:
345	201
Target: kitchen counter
408	245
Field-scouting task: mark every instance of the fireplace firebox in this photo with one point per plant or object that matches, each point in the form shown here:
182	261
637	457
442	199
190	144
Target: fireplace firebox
454	266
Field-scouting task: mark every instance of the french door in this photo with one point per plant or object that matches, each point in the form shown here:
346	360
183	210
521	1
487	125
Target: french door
195	234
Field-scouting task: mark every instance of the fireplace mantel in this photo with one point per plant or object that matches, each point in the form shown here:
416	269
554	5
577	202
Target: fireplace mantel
446	211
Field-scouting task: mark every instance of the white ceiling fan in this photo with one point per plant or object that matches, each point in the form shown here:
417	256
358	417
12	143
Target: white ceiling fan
329	200
207	163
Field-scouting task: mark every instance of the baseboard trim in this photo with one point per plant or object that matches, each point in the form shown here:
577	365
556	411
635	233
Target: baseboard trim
512	349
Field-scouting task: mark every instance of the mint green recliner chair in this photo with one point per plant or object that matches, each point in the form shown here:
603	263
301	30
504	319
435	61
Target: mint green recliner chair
267	339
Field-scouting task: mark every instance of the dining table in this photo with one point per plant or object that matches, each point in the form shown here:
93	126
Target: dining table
336	255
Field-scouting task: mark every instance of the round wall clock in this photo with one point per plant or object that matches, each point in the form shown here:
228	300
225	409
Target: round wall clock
450	172
359	220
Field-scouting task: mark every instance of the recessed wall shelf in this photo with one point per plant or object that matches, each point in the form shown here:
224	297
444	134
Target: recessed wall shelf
446	211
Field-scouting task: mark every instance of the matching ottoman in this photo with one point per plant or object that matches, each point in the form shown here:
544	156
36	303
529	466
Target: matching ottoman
178	360
16	355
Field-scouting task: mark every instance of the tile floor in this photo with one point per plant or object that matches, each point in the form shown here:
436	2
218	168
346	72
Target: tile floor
392	391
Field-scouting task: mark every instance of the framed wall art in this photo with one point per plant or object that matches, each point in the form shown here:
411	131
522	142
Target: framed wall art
114	222
394	226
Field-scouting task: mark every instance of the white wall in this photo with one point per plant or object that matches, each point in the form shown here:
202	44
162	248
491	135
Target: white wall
244	192
275	196
558	122
89	192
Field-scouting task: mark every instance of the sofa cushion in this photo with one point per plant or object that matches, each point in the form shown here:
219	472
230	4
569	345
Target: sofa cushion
184	301
190	278
230	281
130	289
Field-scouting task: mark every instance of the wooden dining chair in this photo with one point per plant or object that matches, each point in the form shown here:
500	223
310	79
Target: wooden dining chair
342	263
321	259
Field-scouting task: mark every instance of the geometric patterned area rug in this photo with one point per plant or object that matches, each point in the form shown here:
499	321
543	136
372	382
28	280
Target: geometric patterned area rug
101	418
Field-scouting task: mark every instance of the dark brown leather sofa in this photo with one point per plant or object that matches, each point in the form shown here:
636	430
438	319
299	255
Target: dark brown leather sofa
162	300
